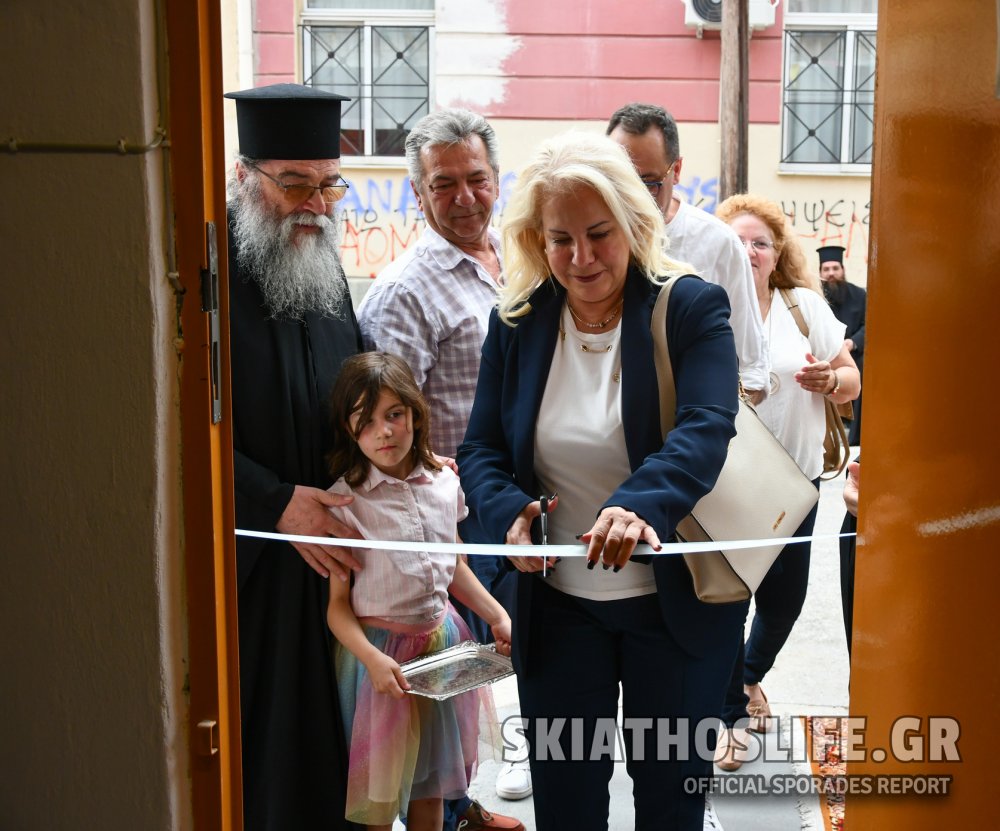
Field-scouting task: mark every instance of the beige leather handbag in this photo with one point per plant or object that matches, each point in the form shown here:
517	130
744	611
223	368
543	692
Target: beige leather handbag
760	494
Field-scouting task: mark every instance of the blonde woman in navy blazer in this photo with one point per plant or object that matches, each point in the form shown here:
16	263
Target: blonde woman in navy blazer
583	254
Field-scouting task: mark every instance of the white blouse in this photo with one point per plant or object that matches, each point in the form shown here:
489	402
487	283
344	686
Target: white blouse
795	416
580	453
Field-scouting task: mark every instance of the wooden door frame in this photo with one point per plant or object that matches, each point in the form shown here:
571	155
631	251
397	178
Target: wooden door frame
197	184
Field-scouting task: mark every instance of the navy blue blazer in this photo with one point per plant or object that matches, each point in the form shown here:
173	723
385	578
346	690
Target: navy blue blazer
496	459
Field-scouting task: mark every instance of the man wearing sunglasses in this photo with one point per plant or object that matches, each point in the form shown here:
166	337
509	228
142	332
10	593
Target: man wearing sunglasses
292	326
649	134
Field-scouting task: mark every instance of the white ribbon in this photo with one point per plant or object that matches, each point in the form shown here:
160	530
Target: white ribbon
578	550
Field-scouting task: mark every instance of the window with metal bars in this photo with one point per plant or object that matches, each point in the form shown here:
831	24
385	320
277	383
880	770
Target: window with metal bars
381	60
829	97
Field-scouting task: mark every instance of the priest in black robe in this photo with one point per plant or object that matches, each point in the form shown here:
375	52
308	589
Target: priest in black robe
849	304
292	325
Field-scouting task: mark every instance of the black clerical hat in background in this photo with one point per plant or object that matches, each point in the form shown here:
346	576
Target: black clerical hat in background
288	121
831	254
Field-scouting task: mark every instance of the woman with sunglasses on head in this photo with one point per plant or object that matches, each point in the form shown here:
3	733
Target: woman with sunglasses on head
804	369
563	404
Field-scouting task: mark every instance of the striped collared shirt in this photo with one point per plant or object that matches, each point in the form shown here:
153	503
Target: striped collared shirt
431	307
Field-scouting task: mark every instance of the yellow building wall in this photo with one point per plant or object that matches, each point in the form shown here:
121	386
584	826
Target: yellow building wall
381	220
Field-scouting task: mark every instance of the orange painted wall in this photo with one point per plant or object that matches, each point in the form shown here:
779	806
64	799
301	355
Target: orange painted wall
928	570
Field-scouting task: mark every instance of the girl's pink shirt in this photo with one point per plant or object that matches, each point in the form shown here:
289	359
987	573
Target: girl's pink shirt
403	586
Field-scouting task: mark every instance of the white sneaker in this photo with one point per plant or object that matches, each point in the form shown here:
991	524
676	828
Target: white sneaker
711	820
514	780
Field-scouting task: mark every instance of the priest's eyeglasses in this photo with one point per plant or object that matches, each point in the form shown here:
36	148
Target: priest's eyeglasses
297	194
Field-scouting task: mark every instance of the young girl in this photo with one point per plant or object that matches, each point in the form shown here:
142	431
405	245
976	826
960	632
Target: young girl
406	752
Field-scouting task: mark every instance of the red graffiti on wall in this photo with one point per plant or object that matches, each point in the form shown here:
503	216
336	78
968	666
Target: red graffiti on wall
367	247
840	223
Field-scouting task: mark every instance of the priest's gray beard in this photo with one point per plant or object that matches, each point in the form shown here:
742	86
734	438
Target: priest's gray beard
295	276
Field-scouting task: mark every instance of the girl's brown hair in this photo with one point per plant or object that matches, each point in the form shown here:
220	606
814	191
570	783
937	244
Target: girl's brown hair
359	385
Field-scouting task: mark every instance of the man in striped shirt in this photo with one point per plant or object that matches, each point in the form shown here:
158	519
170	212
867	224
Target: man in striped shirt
431	306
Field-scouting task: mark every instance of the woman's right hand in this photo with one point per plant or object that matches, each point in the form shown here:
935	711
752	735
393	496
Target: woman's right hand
519	533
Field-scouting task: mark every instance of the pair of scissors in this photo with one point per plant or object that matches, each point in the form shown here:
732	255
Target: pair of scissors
543	503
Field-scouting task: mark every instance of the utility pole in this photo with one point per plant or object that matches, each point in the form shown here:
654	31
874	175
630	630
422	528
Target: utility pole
734	77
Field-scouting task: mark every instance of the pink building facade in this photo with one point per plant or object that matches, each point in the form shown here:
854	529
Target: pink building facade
537	68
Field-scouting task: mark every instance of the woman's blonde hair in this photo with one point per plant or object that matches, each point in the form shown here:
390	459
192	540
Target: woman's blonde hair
790	268
561	165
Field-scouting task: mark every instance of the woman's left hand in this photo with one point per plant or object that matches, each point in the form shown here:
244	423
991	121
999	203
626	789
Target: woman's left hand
816	376
615	536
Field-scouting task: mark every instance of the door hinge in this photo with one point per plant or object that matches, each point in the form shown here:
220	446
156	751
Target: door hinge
208	740
210	305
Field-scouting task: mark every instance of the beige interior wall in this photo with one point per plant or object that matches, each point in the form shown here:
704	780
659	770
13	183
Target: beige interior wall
93	730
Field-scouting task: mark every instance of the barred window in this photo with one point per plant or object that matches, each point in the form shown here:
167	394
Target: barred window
828	106
378	54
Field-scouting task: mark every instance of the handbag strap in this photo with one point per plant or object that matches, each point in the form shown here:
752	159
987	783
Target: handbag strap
661	358
845	409
836	434
792	304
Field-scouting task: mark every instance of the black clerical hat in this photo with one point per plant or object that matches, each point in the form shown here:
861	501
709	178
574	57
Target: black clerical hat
288	121
831	254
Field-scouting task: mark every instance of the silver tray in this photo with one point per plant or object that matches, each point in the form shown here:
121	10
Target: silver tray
455	670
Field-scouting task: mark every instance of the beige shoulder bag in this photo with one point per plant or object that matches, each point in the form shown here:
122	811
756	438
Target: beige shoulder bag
760	494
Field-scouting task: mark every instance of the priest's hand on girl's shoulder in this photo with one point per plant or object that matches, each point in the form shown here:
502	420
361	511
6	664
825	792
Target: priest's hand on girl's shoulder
307	514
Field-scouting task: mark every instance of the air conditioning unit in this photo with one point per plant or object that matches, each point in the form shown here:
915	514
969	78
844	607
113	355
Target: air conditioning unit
707	14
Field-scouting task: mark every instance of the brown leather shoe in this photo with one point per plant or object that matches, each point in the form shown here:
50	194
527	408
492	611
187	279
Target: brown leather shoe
477	817
732	749
758	709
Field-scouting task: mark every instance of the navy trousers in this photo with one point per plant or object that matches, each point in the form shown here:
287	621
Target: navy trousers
581	650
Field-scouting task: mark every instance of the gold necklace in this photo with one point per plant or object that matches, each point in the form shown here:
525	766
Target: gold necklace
603	323
597	348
